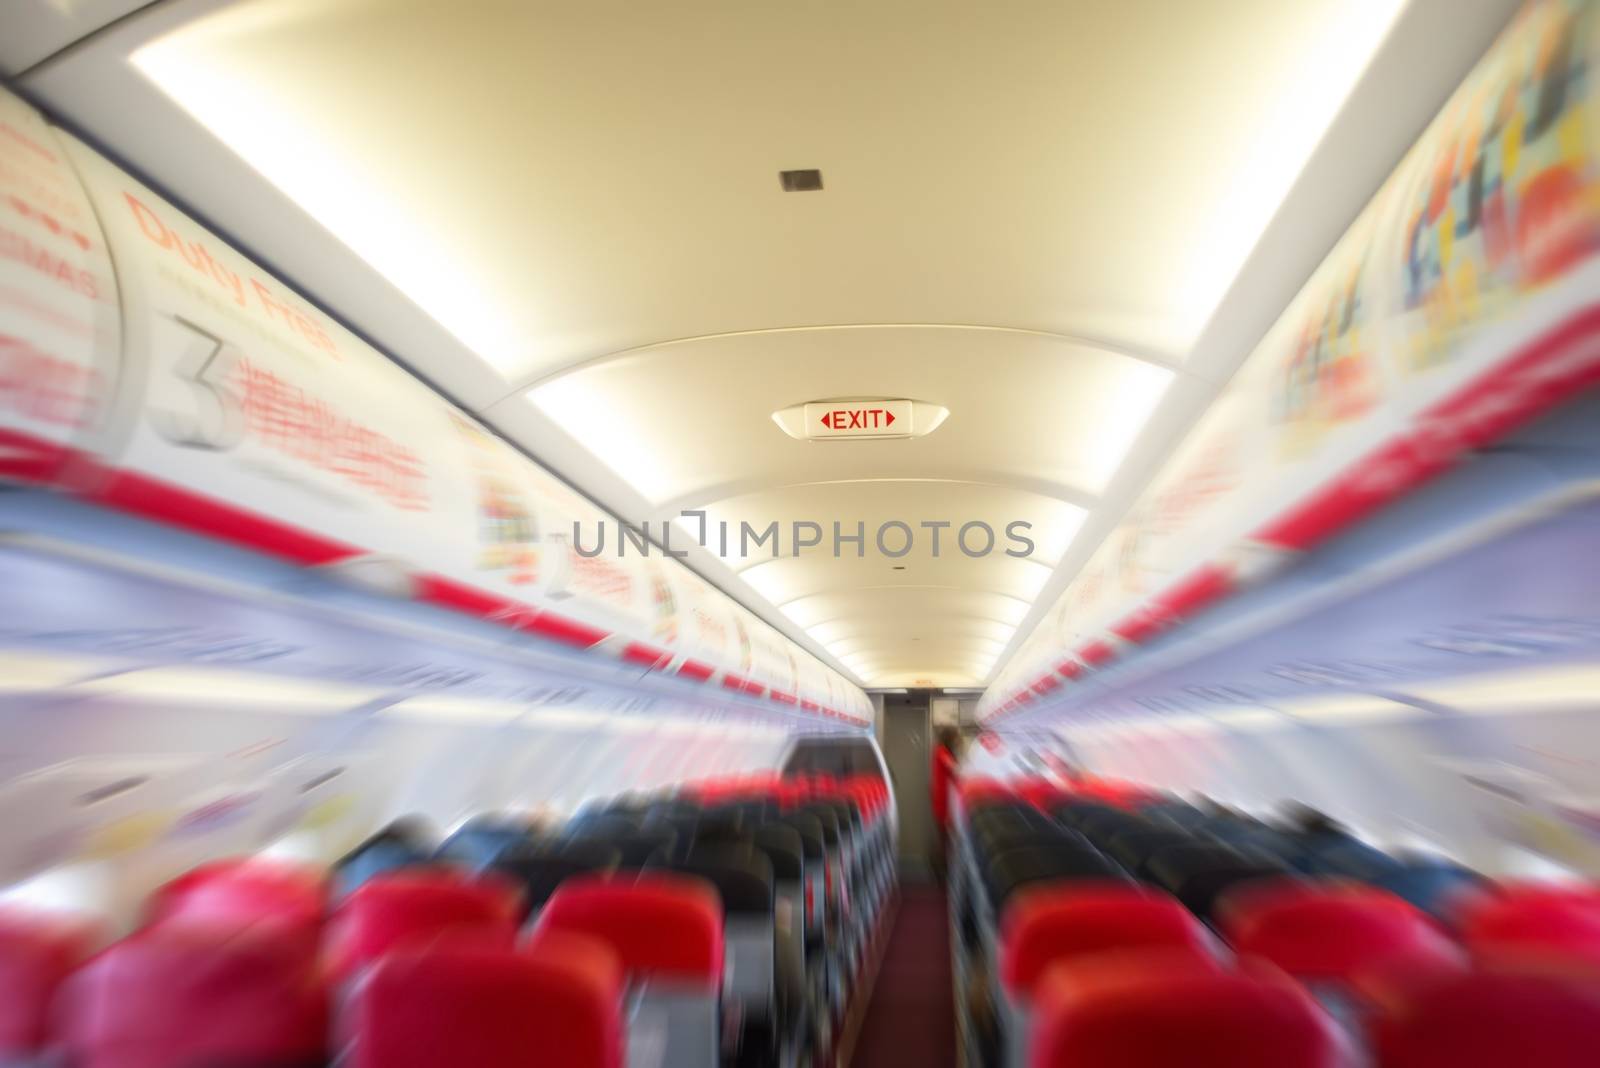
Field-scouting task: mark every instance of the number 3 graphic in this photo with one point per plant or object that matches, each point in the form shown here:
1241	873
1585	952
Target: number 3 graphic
209	415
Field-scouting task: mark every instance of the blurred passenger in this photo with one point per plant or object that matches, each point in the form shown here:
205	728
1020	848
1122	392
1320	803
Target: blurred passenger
942	781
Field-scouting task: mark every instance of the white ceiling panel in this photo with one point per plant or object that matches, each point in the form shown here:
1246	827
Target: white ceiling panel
569	217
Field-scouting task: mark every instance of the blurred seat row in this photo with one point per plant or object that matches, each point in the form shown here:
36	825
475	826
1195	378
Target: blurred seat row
1108	927
726	924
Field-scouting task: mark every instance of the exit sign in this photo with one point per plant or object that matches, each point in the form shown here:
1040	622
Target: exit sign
860	419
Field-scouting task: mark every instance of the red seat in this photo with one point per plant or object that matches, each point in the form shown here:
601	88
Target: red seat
1329	931
191	997
974	790
557	1005
37	952
1053	923
1489	1019
1530	919
245	892
1142	1012
405	908
1042	793
659	925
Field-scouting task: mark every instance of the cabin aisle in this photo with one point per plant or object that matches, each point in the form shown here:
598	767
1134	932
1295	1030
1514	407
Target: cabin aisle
911	1019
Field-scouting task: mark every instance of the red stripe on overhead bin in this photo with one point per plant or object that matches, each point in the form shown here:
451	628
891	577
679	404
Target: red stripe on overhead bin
1096	653
782	698
694	669
1045	685
1069	669
1201	587
567	631
25	458
1188	596
735	683
153	498
646	655
810	706
1564	361
447	593
1142	624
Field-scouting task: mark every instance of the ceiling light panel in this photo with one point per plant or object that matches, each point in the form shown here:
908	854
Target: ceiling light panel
503	194
680	420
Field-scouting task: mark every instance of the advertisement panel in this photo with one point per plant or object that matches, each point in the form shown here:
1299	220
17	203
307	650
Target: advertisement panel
58	303
1460	304
221	401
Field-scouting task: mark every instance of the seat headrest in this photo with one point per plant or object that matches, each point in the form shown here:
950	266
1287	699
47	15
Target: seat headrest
1318	930
1489	1019
37	953
489	1008
1047	923
1158	1010
1531	917
244	891
660	924
191	995
398	908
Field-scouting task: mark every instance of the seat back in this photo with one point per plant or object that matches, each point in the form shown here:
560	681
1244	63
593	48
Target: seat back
988	845
1133	847
1049	923
1016	868
743	879
404	843
605	823
195	997
418	907
1052	922
667	932
557	1004
37	953
1198	875
1532	920
1142	1012
1328	933
1434	887
242	893
478	843
815	858
636	848
1489	1019
540	868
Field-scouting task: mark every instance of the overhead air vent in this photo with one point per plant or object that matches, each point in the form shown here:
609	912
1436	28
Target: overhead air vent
801	181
